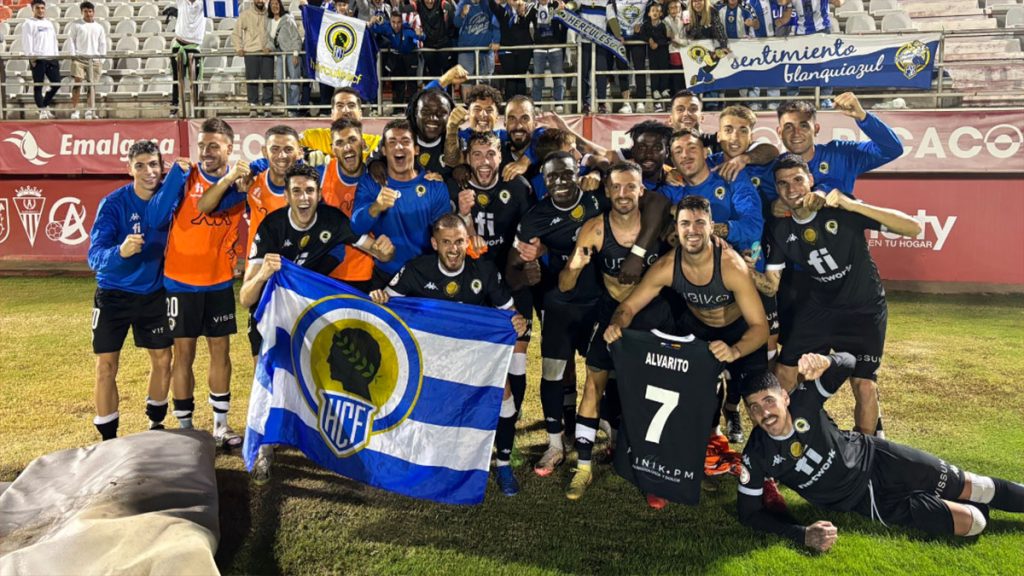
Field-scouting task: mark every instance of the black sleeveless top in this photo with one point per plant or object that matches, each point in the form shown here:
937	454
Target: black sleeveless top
712	295
614	254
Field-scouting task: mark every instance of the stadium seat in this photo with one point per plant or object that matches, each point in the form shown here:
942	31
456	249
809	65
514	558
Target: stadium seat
1014	17
148	11
15	86
226	24
102	11
896	22
151	27
124	11
25	13
130	85
127	44
849	8
169	25
52	12
15	47
106	85
157	63
154	44
211	43
884	6
4	27
125	28
160	85
860	22
73	11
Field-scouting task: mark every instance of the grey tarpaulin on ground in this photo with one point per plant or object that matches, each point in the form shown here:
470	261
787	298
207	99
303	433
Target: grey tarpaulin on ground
142	504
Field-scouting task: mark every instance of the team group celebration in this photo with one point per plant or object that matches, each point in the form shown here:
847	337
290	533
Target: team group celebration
712	289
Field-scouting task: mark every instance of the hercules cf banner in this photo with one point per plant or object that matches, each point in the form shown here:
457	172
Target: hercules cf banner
340	52
404	397
593	33
891	61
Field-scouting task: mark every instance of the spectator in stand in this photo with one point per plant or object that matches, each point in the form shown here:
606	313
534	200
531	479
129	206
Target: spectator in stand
435	20
284	37
477	29
189	31
546	30
401	59
676	23
705	24
740	23
765	11
815	17
251	39
514	24
655	33
632	14
39	41
87	42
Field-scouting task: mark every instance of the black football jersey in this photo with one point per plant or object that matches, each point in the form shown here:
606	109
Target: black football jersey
313	247
558	228
497	213
832	249
667	388
479	282
828	467
431	157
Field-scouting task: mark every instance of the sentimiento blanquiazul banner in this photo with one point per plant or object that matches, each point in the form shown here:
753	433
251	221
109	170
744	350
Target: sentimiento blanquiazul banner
891	61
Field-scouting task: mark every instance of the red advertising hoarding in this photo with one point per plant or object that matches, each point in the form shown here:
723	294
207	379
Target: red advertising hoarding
69	147
969	141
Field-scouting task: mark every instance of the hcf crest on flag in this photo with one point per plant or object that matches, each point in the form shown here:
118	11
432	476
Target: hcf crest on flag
340	51
404	398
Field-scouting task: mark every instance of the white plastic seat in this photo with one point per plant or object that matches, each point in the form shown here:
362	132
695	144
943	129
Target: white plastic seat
1015	17
125	27
151	27
860	23
124	11
896	22
226	24
154	44
130	85
148	11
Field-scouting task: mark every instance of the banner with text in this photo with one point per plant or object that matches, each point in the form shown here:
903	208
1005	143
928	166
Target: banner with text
48	148
890	61
964	142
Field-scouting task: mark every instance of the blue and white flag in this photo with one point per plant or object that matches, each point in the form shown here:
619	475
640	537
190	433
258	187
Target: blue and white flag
891	61
220	8
340	51
404	397
591	32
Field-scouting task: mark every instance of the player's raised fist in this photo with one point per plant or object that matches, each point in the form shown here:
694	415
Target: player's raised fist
812	366
590	182
131	246
723	352
467	198
532	273
239	171
813	201
581	257
519	324
455	75
271	264
457	117
384	248
835	199
184	164
612	333
530	251
849	105
386	198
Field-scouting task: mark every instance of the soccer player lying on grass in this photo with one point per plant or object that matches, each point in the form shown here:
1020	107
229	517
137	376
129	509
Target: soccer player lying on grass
798	444
449	275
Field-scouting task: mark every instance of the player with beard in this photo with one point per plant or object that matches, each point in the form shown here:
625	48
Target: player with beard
405	207
797	442
551	227
606	240
428	113
264	193
737	213
650	151
481	113
307	232
723	304
449	275
845	308
494	209
198	276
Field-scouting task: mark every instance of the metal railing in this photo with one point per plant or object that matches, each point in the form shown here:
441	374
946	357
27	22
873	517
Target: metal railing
220	89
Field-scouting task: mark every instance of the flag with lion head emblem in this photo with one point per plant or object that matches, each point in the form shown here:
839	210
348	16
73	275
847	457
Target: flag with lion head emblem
404	397
340	51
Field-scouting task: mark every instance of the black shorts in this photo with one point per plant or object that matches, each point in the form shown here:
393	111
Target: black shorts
195	314
566	326
522	301
115	310
909	488
742	368
255	338
819	330
655	316
794	286
771	310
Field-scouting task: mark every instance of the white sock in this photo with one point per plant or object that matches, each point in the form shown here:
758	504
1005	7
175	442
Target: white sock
555	441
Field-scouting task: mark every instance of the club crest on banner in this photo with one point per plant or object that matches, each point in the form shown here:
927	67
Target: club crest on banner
29	202
5	220
341	40
359	370
912	58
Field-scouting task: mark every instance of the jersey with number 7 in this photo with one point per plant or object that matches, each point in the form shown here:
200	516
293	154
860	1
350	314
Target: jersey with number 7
667	388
